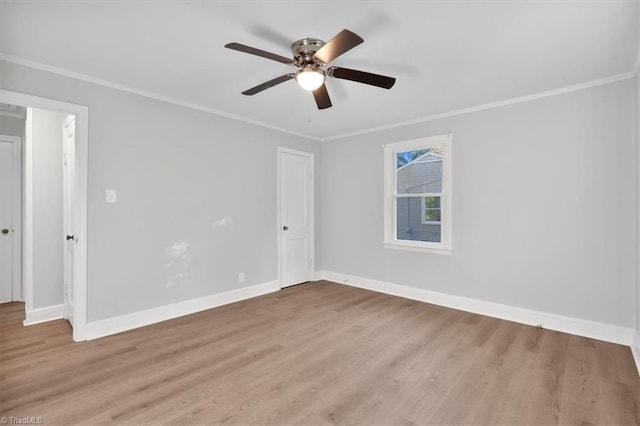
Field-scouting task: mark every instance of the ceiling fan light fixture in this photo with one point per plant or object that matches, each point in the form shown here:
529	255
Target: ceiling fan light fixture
310	78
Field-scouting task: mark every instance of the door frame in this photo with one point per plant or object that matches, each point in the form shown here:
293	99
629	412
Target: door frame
282	150
81	113
16	217
67	227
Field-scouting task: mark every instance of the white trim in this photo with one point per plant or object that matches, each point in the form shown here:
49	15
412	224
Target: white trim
39	315
71	74
445	246
418	248
635	349
580	327
68	182
497	104
419	195
107	327
105	83
27	214
17	221
81	170
16	217
282	150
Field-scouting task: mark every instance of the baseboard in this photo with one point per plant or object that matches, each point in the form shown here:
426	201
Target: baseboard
577	326
635	349
127	322
39	315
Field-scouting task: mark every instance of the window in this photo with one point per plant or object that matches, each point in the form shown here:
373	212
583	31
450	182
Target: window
431	211
418	195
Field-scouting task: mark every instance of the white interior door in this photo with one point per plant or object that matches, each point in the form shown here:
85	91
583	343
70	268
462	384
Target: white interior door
68	191
296	217
10	219
6	221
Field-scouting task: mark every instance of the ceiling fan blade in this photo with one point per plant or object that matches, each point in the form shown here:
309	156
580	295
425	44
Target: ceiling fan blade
267	84
362	77
259	52
344	41
322	97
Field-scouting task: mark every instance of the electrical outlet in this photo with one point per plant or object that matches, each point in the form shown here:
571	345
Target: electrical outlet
241	278
111	196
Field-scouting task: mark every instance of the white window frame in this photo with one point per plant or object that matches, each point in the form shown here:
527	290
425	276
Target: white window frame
445	245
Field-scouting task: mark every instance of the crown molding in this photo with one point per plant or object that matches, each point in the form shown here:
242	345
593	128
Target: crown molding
491	105
122	87
71	74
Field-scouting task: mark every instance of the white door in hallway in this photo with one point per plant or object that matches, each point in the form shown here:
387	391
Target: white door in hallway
68	191
296	217
10	219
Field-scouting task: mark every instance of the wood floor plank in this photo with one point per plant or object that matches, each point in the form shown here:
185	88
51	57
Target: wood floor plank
417	380
316	354
546	384
346	358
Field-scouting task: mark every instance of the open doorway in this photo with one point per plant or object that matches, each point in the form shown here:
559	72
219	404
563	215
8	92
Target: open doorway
70	234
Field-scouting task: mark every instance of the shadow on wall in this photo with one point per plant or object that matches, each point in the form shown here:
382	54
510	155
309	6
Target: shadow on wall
179	258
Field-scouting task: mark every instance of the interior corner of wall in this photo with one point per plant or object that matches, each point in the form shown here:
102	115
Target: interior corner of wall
635	349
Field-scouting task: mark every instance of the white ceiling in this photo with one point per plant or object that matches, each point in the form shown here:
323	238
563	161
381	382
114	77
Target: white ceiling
445	55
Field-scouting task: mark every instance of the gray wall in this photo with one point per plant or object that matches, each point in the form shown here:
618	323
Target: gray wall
196	196
555	235
637	120
47	208
11	126
197	202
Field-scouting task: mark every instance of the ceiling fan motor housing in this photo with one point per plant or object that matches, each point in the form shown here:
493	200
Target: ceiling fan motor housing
304	49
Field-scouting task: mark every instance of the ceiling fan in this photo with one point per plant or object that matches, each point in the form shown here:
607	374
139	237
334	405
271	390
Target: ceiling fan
310	55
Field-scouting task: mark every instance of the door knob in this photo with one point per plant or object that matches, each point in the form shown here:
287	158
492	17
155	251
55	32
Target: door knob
70	237
284	228
5	231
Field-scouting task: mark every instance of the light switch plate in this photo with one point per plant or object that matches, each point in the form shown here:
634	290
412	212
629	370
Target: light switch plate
111	196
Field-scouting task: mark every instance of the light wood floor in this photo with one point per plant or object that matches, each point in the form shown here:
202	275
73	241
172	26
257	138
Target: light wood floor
318	353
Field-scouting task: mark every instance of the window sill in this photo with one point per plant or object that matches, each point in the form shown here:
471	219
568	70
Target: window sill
419	249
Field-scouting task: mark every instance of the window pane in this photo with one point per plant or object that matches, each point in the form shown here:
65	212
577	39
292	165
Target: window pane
419	171
409	224
431	209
